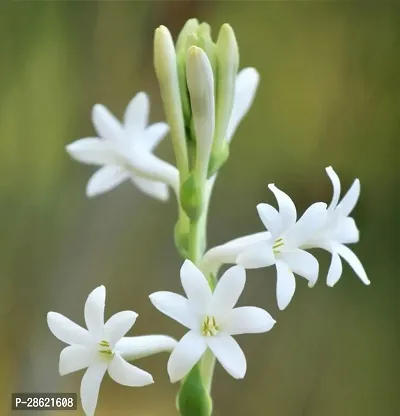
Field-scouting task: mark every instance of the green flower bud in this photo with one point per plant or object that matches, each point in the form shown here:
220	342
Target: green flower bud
217	159
186	38
167	73
181	237
191	198
193	399
227	68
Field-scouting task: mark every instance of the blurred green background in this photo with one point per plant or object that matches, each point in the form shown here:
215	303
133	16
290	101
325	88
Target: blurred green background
329	95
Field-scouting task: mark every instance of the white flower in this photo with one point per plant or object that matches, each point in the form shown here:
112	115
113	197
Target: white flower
125	151
211	319
279	246
246	84
102	348
340	229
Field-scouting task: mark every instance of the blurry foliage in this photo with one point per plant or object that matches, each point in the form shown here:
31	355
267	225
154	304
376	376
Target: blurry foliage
329	95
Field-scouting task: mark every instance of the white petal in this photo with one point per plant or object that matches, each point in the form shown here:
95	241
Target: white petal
106	125
137	112
270	218
154	134
175	306
127	374
248	320
90	386
313	219
105	179
196	287
336	187
93	151
335	270
154	189
245	90
353	261
287	209
186	354
257	256
302	263
228	290
67	331
229	354
133	348
228	252
148	166
94	312
349	201
74	358
346	231
285	285
118	325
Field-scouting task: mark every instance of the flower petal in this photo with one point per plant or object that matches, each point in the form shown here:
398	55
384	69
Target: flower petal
349	201
229	354
74	358
186	354
105	179
346	231
127	374
133	348
335	270
258	255
93	151
154	189
106	125
90	386
136	115
175	306
118	325
302	263
228	290
154	134
285	284
287	209
270	218
228	252
196	287
313	219
248	320
94	312
148	166
336	187
67	331
353	262
245	89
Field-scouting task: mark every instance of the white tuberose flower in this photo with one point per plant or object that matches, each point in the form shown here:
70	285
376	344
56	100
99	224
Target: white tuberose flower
280	246
340	229
102	347
125	151
211	319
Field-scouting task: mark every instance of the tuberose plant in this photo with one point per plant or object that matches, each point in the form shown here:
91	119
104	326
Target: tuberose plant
205	97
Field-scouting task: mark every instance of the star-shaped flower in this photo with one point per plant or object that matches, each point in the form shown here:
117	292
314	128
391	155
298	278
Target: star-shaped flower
125	151
340	229
211	319
281	245
102	348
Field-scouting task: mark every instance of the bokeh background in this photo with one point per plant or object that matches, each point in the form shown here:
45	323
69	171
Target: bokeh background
329	95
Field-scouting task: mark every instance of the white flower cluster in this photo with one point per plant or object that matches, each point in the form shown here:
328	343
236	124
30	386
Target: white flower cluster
286	240
205	99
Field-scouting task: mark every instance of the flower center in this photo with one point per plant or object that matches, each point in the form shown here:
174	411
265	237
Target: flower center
209	326
105	350
276	248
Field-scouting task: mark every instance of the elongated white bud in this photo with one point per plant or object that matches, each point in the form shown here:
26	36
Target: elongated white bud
200	83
